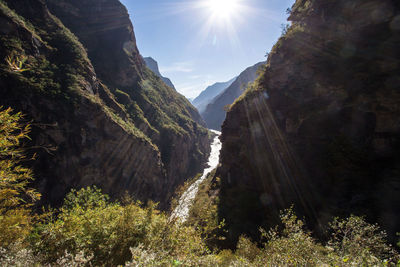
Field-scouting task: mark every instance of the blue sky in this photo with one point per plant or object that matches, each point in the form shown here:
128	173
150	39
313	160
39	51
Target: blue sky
200	42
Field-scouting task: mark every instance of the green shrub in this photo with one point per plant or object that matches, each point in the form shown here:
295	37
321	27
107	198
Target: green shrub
359	243
292	246
16	197
122	97
203	213
90	223
91	230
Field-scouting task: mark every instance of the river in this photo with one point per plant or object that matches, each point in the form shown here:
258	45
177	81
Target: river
182	210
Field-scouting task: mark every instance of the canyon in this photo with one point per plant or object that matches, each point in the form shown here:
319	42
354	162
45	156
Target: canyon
315	128
99	116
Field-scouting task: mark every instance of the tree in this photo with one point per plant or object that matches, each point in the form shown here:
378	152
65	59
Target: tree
16	198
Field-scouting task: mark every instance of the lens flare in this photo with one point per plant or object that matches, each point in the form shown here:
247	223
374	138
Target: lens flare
223	9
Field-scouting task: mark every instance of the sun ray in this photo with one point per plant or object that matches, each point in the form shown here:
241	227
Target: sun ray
214	22
223	9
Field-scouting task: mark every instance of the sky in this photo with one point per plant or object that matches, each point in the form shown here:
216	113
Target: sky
199	42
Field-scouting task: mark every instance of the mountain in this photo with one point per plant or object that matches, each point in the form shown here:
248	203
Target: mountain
209	93
320	129
215	113
98	115
153	66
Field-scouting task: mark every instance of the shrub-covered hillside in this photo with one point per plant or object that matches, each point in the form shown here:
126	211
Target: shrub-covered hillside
99	116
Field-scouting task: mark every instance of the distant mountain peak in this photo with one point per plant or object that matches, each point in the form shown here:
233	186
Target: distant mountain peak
152	64
206	96
214	113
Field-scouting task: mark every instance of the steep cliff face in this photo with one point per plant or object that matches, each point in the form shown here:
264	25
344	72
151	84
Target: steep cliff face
99	117
320	129
153	66
215	112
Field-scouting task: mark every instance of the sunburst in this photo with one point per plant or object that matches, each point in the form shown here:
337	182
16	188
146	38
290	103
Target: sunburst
222	9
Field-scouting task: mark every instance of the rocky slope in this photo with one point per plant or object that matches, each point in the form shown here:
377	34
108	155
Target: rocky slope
98	115
153	66
215	112
320	129
209	94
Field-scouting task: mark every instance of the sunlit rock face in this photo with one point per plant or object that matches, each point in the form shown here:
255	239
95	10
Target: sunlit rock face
99	116
325	137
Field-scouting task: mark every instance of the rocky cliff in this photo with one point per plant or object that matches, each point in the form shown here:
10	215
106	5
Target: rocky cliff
153	66
215	112
320	128
98	115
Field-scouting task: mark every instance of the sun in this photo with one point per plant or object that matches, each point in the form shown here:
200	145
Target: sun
221	20
222	9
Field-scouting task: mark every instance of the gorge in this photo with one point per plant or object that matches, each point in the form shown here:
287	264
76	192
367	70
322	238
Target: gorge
181	211
96	144
93	111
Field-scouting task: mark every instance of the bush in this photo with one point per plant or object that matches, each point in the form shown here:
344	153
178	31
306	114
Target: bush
203	212
90	223
354	242
292	246
247	249
91	230
16	197
359	243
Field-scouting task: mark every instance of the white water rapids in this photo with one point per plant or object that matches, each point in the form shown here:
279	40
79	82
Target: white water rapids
182	210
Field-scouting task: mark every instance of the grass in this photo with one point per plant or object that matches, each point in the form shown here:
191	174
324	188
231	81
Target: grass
18	19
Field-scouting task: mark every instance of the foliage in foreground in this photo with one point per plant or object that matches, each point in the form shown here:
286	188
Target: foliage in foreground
15	196
91	230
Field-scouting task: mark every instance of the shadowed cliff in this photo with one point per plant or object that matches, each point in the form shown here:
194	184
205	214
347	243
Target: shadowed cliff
320	128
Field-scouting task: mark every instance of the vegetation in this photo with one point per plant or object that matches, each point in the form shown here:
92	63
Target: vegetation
16	63
171	116
17	19
45	60
203	213
15	195
88	223
91	230
29	73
